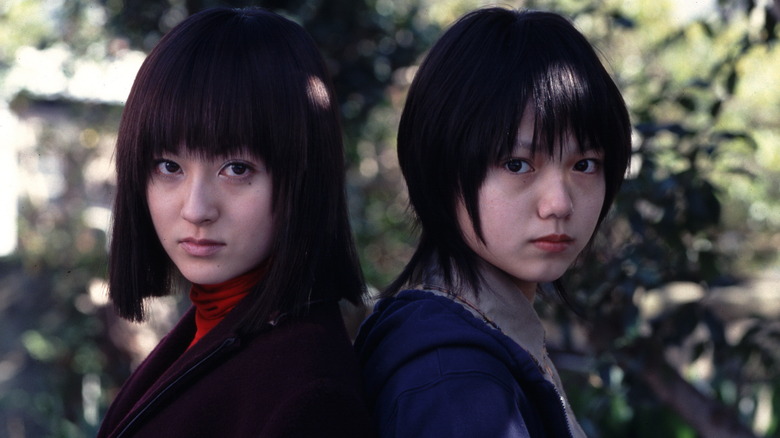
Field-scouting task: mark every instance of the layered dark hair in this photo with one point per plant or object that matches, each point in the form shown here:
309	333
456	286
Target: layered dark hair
464	108
228	81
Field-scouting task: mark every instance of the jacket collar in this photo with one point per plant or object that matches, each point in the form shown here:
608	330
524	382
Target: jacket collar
499	302
171	364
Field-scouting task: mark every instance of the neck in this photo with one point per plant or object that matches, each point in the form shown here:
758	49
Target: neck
246	280
527	289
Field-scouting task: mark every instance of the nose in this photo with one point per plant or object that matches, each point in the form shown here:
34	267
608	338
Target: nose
200	202
555	199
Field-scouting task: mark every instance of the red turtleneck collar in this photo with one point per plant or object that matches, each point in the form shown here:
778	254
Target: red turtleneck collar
214	301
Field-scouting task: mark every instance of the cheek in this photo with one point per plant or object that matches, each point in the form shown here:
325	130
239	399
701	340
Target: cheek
502	211
155	205
496	209
258	246
467	228
259	223
464	223
591	203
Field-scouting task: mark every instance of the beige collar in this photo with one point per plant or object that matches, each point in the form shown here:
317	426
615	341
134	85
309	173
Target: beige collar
499	302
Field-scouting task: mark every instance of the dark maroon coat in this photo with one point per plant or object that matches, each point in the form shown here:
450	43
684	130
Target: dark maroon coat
296	379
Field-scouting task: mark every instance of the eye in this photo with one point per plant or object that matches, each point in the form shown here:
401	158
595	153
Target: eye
589	165
167	167
518	166
236	168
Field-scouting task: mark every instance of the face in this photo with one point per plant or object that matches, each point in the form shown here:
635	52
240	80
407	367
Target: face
537	211
212	216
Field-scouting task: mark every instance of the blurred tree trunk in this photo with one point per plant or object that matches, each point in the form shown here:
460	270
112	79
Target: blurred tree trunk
644	359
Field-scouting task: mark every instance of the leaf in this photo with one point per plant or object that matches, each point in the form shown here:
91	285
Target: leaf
622	21
676	325
716	107
698	350
704	208
770	24
687	102
731	81
707	29
715	326
726	136
740	171
751	333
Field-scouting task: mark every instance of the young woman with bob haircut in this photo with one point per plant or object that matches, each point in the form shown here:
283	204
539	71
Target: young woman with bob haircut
231	175
513	142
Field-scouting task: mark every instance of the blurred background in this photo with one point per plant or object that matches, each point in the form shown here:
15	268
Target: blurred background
680	332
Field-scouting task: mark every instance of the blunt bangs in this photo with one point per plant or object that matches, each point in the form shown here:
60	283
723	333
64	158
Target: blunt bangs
227	86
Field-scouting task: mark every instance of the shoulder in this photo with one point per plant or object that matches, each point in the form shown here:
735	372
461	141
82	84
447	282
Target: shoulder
318	334
308	347
413	310
418	322
299	354
310	375
430	365
299	377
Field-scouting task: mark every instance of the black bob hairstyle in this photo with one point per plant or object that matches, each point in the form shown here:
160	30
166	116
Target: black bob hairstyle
226	81
464	108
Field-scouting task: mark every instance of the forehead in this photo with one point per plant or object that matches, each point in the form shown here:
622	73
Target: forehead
550	137
205	149
208	152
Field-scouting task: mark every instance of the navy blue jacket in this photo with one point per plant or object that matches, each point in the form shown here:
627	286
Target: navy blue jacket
432	369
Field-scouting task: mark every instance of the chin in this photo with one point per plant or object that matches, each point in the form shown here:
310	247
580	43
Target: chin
204	278
546	277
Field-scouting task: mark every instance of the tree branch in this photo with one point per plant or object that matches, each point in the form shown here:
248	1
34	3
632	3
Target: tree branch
645	360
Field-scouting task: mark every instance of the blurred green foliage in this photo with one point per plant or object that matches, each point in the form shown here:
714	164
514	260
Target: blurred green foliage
701	208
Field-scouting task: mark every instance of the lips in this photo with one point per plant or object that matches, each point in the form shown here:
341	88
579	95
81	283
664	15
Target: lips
553	242
200	247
